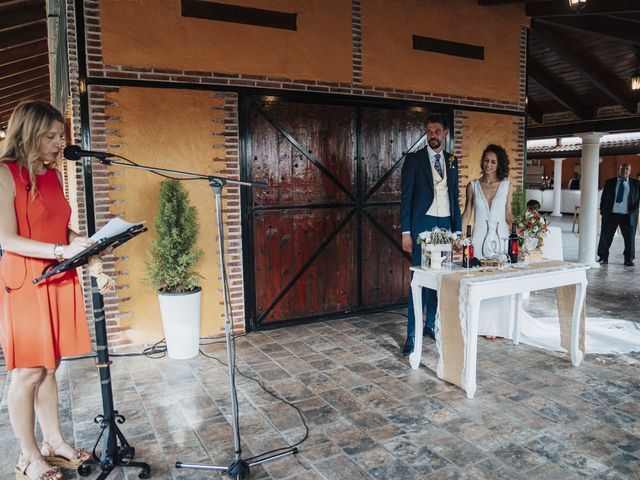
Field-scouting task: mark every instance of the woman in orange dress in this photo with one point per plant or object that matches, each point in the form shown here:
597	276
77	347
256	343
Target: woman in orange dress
39	323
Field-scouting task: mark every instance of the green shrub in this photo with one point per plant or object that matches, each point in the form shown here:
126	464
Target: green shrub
518	204
174	251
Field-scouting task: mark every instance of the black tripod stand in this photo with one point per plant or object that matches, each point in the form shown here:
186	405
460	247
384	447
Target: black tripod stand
240	468
115	450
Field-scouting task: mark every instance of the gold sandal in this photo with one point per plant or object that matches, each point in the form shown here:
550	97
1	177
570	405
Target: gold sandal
23	465
49	454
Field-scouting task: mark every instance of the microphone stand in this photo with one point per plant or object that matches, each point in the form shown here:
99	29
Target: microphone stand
240	468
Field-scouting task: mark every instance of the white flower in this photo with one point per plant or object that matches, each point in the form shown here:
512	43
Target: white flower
425	237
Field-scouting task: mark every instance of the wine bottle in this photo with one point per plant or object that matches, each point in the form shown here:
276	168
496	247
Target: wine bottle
467	249
513	245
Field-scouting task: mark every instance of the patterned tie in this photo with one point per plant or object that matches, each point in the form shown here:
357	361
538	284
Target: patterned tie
620	195
437	164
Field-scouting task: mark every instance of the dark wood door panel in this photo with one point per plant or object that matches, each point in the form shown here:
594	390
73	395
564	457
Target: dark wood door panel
385	270
303	263
326	233
325	133
387	135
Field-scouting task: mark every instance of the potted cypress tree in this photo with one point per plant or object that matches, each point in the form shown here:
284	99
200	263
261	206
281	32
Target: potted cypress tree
170	270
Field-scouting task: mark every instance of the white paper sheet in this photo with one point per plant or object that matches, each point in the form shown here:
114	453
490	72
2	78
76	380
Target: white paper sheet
115	226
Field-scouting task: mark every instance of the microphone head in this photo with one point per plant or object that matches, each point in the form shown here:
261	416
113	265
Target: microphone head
72	152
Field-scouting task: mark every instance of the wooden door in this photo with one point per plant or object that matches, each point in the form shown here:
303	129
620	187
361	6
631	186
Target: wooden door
326	233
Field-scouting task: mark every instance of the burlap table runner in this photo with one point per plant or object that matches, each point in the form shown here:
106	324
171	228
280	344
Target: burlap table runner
452	342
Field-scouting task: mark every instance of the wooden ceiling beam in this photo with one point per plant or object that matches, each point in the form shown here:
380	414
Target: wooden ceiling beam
593	7
588	66
15	54
634	18
25	65
22	35
601	25
25	91
24	76
626	124
21	14
487	3
560	93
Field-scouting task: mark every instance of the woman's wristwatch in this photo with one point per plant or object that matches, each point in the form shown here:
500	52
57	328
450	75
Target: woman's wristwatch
58	252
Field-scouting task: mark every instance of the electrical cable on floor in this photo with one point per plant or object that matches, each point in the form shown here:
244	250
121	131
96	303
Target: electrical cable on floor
277	397
159	350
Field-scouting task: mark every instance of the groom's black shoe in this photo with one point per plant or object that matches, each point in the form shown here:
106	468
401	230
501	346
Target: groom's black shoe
629	263
408	347
428	332
603	261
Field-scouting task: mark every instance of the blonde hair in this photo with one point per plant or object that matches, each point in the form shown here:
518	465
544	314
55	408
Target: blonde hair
29	122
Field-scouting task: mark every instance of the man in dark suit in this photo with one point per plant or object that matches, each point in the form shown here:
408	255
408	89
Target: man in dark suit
574	183
619	208
429	200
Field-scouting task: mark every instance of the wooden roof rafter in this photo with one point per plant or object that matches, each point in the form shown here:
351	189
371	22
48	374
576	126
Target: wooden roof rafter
589	67
24	54
593	7
616	29
561	93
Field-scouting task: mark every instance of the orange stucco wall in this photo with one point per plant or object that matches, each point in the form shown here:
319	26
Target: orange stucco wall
154	34
166	129
321	49
390	61
479	130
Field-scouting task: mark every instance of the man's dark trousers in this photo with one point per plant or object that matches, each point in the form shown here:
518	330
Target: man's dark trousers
610	223
429	297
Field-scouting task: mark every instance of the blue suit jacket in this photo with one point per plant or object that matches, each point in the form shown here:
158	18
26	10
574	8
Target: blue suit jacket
417	190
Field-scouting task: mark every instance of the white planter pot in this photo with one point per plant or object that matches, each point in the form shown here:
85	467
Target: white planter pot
181	323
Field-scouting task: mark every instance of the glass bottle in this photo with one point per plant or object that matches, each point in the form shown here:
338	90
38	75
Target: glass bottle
512	246
467	248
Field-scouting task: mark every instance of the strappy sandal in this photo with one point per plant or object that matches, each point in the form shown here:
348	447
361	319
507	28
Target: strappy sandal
49	454
25	463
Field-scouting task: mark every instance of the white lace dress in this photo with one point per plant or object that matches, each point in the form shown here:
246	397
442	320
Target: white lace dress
494	312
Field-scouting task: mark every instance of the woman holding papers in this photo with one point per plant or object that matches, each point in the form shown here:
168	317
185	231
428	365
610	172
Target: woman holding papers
39	323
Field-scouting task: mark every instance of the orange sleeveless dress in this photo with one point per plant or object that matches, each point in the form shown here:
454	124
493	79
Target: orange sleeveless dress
40	323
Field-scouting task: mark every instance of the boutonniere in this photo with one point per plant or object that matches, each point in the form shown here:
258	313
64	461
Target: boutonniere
451	161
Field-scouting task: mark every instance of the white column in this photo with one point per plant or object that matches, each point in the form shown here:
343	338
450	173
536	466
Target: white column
589	197
557	187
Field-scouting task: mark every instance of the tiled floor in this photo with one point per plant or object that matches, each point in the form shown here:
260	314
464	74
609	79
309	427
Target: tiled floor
370	415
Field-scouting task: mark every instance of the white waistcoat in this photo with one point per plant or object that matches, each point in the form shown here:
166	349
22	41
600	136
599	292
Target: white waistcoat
440	205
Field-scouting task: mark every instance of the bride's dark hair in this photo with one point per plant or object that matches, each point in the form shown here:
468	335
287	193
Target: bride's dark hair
502	171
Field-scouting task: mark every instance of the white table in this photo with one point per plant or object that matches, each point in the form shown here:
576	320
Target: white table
513	283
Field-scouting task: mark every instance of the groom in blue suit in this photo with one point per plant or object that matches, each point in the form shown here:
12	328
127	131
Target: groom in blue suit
429	199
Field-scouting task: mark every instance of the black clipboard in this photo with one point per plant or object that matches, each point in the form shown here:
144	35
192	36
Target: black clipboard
82	258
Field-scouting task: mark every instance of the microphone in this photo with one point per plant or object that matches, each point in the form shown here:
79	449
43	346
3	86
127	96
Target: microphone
74	152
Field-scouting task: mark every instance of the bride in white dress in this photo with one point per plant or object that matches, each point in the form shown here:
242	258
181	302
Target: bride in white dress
489	200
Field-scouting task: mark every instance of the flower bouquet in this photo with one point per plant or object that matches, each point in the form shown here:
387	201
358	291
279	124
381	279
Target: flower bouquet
437	247
533	225
534	228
